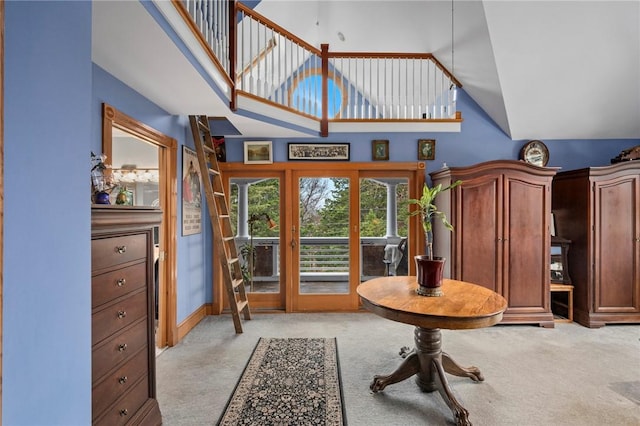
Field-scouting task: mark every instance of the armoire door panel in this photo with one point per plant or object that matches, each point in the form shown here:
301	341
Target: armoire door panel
524	229
615	281
479	259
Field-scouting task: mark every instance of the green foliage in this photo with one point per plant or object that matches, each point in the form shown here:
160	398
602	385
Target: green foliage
264	197
324	207
428	211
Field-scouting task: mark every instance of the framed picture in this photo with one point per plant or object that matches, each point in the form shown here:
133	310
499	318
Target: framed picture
380	150
319	151
258	152
191	193
426	149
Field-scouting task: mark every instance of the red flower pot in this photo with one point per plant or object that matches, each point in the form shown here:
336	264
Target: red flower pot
429	275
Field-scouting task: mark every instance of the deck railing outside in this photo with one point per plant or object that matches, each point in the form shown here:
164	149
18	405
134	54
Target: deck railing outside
326	258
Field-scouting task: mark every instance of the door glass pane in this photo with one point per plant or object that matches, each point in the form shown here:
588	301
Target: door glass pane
383	227
255	218
324	235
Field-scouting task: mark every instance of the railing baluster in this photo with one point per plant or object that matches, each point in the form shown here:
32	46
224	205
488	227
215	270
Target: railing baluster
239	77
420	93
266	91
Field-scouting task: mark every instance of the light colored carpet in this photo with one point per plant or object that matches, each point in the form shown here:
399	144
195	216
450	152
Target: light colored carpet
568	375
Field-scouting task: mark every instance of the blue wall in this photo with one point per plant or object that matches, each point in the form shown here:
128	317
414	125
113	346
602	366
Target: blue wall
480	140
53	97
47	293
194	266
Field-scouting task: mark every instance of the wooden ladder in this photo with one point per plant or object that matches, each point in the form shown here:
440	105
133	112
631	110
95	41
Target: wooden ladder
223	236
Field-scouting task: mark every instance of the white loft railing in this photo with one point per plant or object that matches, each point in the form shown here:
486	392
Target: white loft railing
265	62
211	17
388	86
272	62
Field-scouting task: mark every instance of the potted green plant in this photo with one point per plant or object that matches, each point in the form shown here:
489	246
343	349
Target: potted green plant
429	269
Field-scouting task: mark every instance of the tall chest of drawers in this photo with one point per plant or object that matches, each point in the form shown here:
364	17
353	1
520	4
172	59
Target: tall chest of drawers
122	316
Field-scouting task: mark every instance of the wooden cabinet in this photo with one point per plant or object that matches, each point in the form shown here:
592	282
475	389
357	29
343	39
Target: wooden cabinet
501	239
598	209
122	316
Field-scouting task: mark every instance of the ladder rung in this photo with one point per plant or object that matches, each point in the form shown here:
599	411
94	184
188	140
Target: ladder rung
229	238
242	305
233	260
237	283
219	194
214	172
208	149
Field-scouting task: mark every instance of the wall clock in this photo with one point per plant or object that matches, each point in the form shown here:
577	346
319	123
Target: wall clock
535	152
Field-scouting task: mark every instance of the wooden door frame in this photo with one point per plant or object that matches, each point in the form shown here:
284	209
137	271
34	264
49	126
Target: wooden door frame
265	301
415	170
167	334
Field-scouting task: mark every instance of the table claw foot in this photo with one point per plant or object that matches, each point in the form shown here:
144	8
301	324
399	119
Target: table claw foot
405	351
408	367
452	367
378	384
462	417
459	412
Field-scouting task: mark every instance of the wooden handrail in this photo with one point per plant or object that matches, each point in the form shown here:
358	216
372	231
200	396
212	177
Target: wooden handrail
277	28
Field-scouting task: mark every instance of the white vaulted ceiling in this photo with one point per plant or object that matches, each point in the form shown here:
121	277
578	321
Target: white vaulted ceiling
539	69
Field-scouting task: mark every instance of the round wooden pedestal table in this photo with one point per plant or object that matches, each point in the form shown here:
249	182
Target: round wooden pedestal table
462	306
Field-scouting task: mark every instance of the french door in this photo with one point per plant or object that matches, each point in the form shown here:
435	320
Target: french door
309	233
324	240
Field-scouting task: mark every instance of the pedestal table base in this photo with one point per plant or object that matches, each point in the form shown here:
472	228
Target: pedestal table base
429	364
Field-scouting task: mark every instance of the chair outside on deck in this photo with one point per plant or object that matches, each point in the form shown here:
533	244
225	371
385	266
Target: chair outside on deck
394	258
402	268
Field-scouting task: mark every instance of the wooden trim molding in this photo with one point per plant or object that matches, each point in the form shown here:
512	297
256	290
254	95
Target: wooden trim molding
168	159
192	320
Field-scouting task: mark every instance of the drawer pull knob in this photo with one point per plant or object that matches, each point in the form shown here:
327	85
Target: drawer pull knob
121	282
121	249
122	314
124	412
122	347
122	380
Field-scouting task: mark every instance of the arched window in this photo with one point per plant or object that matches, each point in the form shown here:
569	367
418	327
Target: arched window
306	94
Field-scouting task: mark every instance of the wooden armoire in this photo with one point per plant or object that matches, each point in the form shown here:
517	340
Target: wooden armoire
501	240
598	209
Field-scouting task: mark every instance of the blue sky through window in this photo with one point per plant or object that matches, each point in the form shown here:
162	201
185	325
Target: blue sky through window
307	96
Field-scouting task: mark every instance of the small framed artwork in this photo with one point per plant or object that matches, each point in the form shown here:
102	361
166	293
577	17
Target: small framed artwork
426	149
380	150
319	151
258	152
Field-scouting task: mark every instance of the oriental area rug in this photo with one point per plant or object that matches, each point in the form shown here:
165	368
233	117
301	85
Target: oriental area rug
294	381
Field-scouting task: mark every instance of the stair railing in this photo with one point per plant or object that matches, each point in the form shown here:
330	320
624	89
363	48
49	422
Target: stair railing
276	67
